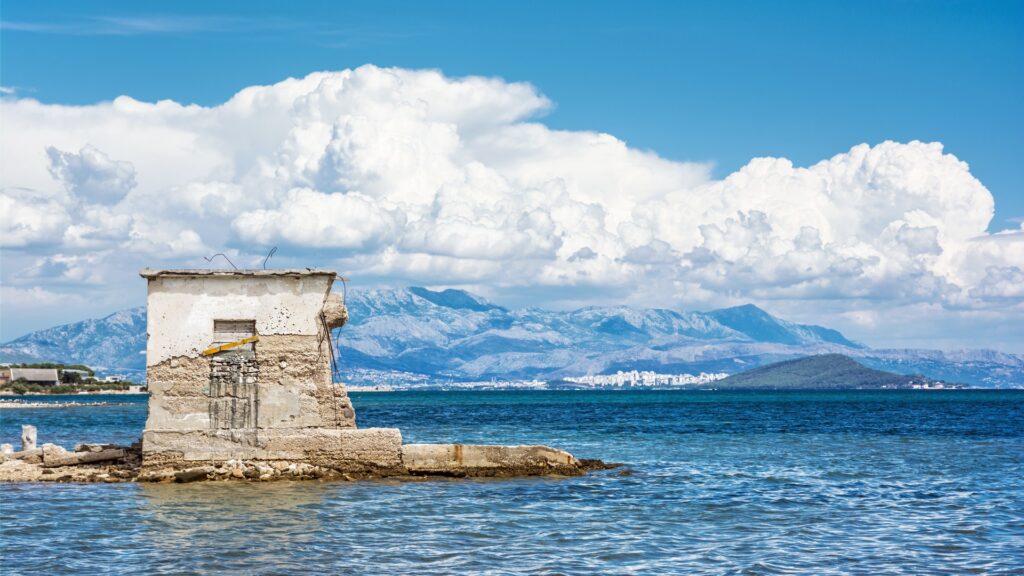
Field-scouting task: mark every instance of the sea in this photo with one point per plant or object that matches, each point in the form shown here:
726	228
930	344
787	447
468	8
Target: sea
711	482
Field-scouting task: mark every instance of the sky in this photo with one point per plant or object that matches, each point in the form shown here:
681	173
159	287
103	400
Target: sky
849	164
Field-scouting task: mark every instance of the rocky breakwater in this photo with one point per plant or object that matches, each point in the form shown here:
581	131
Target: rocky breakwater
111	463
53	463
484	460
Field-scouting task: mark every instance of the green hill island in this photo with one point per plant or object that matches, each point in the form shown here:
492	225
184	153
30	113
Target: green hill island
826	372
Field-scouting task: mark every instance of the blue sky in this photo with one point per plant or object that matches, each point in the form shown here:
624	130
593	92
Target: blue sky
700	81
854	165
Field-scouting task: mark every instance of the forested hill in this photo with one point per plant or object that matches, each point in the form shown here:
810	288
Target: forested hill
824	371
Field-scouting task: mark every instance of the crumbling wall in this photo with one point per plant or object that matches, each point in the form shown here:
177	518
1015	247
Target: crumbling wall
300	365
178	394
242	405
233	390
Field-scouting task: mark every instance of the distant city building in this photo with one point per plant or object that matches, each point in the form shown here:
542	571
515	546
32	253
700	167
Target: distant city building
114	379
645	379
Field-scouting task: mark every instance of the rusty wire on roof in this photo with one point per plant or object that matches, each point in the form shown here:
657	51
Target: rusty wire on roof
271	253
222	255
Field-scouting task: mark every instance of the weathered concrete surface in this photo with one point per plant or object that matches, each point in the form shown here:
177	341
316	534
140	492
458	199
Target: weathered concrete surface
21	471
344	454
182	304
248	402
33	456
76	458
348	449
488	460
335	312
300	365
294	389
53	453
363	449
90	463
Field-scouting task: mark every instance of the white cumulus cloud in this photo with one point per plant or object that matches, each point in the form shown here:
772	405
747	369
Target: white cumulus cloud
91	174
30	219
308	218
409	176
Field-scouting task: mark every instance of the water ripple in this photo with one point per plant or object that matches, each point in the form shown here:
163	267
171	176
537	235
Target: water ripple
717	483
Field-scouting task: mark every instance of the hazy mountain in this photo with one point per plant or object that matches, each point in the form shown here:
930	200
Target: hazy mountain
763	327
825	371
416	334
113	344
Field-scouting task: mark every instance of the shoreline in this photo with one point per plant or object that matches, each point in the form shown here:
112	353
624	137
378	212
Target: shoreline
101	393
21	405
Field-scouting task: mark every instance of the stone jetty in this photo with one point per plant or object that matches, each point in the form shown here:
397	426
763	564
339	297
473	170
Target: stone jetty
240	368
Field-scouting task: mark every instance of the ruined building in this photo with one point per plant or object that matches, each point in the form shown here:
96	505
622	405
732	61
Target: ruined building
239	367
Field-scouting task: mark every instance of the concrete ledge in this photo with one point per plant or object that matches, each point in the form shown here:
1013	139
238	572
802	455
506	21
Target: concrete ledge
351	449
488	460
340	448
150	273
344	455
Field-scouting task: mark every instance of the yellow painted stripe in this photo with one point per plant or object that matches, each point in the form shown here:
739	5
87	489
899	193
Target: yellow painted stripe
224	347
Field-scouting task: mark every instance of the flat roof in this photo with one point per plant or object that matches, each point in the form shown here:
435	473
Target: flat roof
151	273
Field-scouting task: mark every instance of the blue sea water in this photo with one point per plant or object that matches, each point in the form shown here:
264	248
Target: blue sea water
893	482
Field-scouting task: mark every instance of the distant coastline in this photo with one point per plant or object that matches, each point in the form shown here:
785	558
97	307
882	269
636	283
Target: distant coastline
21	404
82	393
471	339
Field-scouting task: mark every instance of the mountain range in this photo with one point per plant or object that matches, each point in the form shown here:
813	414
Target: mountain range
414	334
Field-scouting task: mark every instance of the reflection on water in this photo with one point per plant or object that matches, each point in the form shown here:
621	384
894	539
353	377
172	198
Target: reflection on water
760	483
220	524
